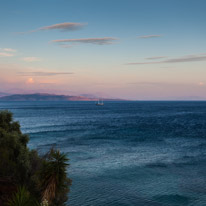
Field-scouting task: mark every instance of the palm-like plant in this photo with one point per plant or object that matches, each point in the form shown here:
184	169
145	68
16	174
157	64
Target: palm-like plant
53	175
22	198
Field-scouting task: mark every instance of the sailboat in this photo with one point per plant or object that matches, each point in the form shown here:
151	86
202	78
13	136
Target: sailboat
99	103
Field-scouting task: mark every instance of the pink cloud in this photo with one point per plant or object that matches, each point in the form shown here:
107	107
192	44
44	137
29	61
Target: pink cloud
6	54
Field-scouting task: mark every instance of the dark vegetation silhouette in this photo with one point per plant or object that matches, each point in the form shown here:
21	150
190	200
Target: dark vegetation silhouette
27	178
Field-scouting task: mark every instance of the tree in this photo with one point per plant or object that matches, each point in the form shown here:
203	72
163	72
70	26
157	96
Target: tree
13	151
14	156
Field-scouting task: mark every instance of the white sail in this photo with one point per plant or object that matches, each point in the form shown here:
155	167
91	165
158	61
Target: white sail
100	103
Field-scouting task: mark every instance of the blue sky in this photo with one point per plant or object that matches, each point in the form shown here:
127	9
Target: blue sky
151	49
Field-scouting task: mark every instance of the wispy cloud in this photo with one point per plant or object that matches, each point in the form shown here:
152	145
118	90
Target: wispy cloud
151	83
98	41
31	59
9	50
6	54
158	57
149	36
40	73
66	26
189	58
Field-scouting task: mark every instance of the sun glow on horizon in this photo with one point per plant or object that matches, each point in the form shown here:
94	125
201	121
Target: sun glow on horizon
30	80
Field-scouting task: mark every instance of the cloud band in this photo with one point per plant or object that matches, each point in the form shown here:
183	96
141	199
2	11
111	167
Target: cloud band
99	41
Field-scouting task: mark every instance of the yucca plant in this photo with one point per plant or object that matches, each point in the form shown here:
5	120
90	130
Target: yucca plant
53	175
22	198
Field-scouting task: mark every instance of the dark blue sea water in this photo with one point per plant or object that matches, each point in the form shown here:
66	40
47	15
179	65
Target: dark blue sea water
124	153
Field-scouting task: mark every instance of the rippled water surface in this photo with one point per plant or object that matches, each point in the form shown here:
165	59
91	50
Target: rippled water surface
124	153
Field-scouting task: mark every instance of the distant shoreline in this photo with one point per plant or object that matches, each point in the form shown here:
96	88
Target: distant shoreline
52	97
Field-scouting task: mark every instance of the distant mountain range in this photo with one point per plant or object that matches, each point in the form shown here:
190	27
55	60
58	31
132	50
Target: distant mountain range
2	94
50	97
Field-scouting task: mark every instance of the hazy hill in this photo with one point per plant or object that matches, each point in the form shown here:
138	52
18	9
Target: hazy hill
2	94
48	97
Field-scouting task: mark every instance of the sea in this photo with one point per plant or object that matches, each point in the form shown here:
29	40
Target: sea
135	153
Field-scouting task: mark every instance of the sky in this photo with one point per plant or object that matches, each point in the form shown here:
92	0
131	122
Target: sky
130	49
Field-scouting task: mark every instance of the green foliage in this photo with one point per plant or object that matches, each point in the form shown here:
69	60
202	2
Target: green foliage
45	177
54	181
13	151
21	198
